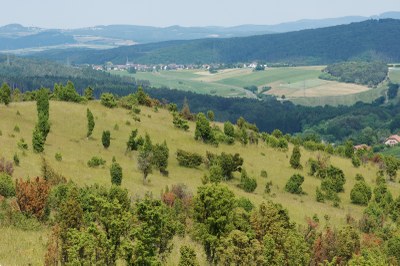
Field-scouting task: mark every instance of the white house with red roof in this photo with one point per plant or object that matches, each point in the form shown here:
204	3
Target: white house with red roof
392	140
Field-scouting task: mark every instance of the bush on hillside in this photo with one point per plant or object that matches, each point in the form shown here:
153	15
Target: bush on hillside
361	193
294	184
188	159
7	188
96	161
248	184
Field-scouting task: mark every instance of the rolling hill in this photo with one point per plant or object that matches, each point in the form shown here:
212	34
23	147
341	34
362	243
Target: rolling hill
68	137
372	39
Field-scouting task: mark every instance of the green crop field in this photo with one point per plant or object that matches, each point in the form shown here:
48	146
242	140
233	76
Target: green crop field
299	84
68	137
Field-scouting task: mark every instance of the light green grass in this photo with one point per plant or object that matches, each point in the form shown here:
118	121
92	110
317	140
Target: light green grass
299	84
68	137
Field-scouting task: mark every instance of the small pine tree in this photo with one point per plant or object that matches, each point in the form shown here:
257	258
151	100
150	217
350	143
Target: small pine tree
43	125
37	140
91	123
188	257
5	94
295	158
105	139
116	174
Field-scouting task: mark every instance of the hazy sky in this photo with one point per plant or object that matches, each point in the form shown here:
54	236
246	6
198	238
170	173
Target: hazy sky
82	13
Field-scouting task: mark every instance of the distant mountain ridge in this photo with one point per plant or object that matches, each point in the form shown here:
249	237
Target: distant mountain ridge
103	37
370	40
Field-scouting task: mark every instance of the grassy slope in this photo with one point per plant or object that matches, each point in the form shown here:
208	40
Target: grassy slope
67	136
299	84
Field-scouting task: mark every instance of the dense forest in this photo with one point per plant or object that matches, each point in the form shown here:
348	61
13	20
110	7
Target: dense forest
372	39
364	73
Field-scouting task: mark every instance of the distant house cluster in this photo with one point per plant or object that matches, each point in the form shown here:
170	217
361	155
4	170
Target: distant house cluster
148	68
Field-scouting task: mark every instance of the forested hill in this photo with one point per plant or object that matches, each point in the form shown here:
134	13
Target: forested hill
372	39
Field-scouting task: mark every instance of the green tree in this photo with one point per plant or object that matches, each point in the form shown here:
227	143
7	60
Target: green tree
7	188
295	158
37	140
108	100
294	184
391	165
361	193
210	115
90	122
393	248
348	149
145	158
141	96
203	129
5	94
43	125
133	144
188	256
89	93
160	157
153	232
105	139
116	173
42	102
229	129
239	249
213	212
283	245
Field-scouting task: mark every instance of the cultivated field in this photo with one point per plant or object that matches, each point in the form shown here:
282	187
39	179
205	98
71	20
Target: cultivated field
68	137
298	84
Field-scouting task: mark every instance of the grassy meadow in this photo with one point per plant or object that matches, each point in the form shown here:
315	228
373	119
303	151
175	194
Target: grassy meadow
299	84
68	137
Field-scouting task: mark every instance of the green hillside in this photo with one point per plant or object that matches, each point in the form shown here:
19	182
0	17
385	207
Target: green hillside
68	137
371	39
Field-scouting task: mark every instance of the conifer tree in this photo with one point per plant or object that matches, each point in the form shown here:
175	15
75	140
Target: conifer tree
295	158
91	123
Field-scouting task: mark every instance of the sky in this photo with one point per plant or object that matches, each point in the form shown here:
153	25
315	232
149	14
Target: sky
67	14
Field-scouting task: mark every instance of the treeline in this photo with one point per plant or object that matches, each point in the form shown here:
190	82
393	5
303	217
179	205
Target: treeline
358	72
372	39
31	74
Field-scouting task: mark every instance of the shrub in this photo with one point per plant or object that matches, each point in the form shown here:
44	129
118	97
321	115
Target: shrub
295	158
361	193
355	161
245	203
294	184
160	157
229	129
58	157
188	159
96	161
7	188
116	174
105	139
6	167
22	145
16	159
247	183
359	177
16	129
133	143
108	100
319	195
50	175
32	196
179	122
264	173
